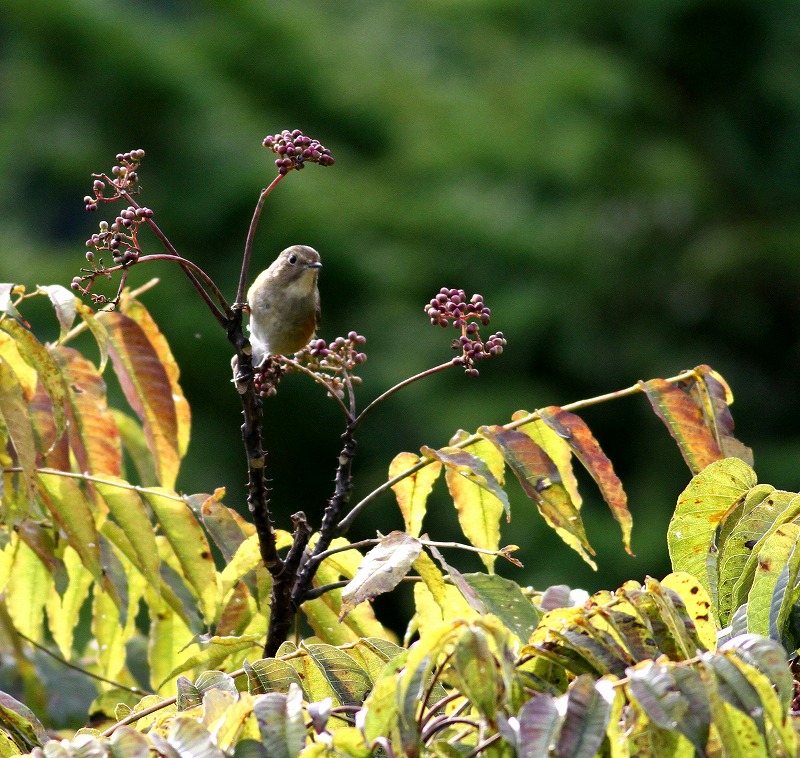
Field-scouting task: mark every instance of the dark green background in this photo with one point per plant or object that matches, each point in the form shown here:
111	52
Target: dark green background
618	179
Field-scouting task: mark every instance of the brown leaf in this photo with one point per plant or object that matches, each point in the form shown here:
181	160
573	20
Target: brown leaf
588	451
93	434
685	421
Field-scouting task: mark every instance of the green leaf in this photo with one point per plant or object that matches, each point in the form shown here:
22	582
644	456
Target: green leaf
280	719
188	541
739	543
476	670
65	499
63	611
21	723
147	387
270	675
412	492
505	599
574	430
332	672
128	511
381	570
773	559
541	481
213	653
700	507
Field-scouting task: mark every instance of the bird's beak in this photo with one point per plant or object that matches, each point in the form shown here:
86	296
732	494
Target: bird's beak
314	265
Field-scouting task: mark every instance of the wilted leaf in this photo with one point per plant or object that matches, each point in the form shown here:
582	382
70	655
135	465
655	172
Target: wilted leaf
133	308
538	723
715	397
469	466
574	430
35	354
412	492
541	481
93	434
381	570
588	710
147	387
63	301
14	416
684	419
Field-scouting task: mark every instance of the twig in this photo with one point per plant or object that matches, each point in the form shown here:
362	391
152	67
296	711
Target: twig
251	234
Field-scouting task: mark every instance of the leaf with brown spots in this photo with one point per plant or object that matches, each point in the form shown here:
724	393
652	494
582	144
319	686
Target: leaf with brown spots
685	421
587	450
541	481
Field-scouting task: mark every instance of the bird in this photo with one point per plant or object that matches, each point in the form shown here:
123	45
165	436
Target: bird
284	304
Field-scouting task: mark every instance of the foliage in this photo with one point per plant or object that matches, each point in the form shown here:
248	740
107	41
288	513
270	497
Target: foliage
485	666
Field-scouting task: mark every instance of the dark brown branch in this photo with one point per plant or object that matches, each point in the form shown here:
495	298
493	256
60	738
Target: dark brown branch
257	489
282	609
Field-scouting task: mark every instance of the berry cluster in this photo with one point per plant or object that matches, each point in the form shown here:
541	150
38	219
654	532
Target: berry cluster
336	361
125	179
294	150
451	307
119	238
267	376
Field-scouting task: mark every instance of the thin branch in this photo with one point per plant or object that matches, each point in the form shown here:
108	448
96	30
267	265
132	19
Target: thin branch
74	667
251	233
100	480
191	270
345	523
136	715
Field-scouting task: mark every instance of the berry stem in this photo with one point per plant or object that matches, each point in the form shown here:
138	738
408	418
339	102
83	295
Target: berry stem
251	233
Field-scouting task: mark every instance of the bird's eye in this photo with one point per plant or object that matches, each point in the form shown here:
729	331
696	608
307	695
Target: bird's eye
293	259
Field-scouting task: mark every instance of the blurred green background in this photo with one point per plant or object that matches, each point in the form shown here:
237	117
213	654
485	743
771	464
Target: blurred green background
620	180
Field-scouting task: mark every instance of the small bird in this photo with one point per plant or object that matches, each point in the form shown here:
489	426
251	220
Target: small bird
284	304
